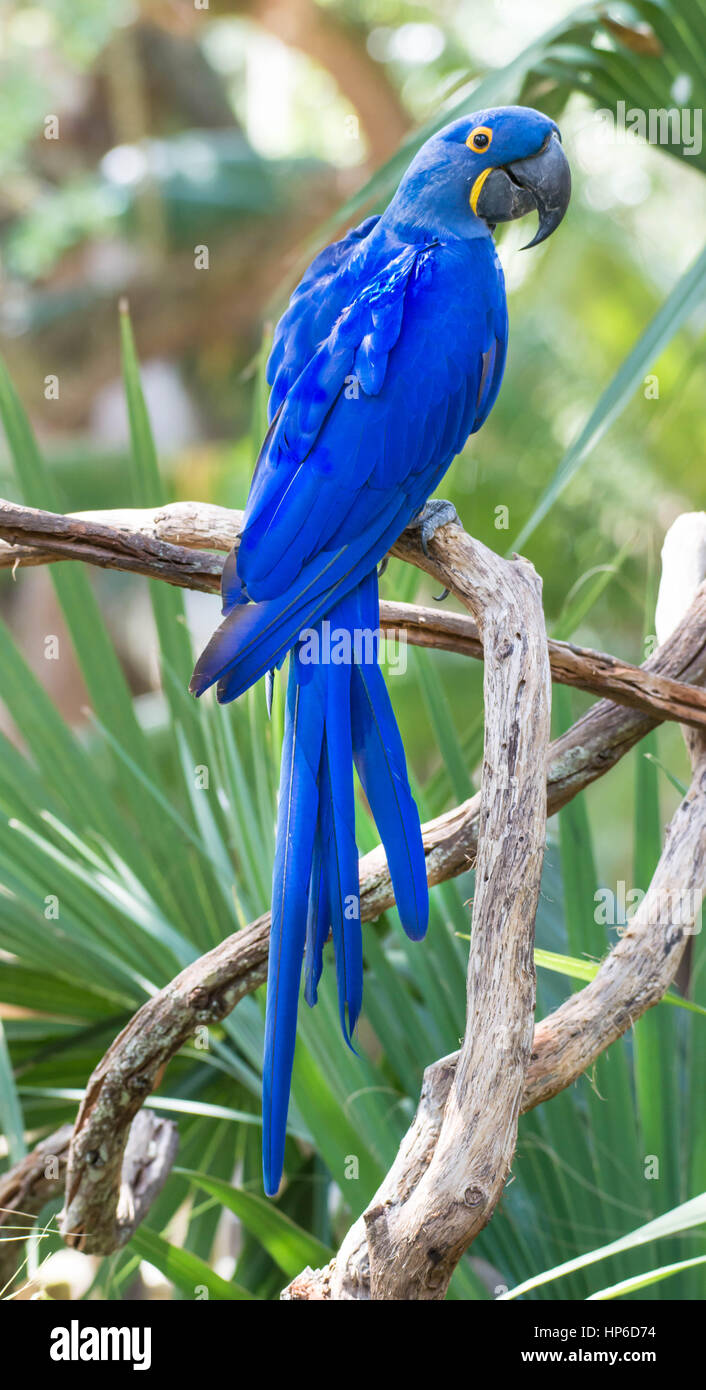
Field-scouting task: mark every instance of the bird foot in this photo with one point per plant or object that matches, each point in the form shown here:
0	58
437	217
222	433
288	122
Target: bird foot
434	514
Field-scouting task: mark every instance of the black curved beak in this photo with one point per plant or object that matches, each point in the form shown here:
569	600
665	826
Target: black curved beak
543	182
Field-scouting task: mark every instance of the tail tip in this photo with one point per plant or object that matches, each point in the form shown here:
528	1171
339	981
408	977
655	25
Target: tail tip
416	922
271	1179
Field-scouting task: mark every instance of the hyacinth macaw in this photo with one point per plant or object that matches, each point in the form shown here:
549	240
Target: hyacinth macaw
390	354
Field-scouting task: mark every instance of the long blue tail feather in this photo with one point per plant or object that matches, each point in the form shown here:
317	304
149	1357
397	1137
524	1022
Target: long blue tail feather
340	847
296	821
317	922
380	761
338	710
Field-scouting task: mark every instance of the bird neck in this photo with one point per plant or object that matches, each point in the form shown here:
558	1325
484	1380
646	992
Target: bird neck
431	205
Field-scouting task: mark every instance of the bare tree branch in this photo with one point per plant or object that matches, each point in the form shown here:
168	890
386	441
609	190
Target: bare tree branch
161	542
38	537
598	673
24	1190
632	979
149	1153
416	1239
125	1076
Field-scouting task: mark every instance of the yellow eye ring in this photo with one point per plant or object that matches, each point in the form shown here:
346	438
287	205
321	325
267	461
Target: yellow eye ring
480	138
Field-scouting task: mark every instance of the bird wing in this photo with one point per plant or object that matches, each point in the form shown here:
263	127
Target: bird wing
386	360
319	297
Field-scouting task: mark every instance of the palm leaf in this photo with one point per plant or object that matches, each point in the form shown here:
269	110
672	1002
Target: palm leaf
682	1218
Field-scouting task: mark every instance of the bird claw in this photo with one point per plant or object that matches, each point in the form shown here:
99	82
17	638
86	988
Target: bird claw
439	598
383	566
434	514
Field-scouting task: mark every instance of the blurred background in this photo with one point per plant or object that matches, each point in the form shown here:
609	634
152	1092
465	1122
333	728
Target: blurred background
191	158
131	135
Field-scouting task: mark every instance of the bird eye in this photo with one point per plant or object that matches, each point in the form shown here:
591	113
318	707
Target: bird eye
480	138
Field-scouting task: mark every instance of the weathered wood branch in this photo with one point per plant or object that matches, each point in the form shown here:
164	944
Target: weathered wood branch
24	1190
416	1239
598	673
205	992
632	979
34	537
161	543
148	1156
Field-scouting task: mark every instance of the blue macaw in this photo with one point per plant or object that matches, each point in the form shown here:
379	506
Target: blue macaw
390	354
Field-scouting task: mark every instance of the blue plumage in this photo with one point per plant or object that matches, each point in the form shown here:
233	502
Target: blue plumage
317	924
296	823
390	354
380	761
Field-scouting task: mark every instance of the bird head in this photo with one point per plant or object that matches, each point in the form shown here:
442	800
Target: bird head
492	166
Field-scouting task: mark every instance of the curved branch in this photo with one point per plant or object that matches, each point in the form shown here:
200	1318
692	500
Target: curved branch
598	673
149	1152
161	542
205	992
416	1238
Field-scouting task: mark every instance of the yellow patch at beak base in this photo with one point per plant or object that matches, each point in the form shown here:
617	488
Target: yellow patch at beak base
475	191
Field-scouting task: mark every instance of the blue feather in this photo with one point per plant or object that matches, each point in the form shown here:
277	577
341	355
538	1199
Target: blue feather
232	591
296	821
338	840
380	761
254	637
317	923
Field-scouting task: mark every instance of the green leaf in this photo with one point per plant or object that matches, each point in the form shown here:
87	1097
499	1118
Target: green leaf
172	1105
441	719
681	1218
11	1125
187	1271
147	486
578	869
686	296
643	1281
48	992
289	1245
99	664
578	969
681	787
167	601
585	593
